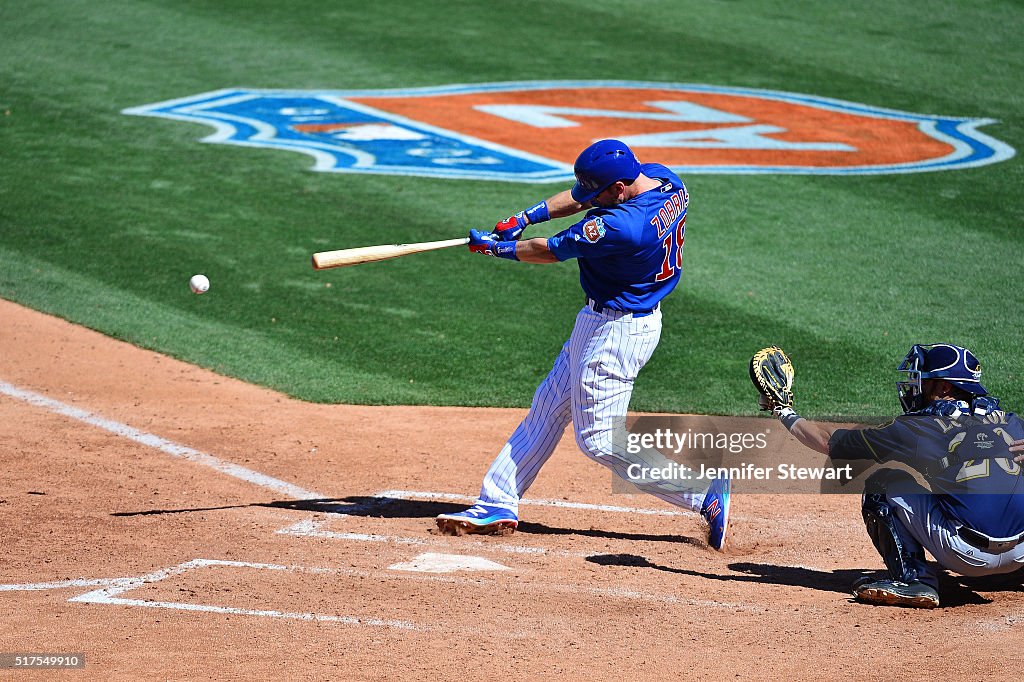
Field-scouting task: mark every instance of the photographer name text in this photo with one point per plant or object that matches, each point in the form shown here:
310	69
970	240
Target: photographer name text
743	472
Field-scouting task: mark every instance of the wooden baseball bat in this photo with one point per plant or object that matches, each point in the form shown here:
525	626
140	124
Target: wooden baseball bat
368	254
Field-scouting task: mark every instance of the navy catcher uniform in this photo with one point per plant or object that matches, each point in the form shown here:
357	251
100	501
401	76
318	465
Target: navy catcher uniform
970	518
629	247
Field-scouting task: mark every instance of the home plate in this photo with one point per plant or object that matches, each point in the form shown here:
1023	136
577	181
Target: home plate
431	562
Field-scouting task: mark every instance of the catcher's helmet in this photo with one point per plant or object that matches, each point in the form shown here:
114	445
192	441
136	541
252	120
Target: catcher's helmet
600	165
954	364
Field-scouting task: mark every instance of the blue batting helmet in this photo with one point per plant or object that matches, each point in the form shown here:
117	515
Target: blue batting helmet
954	364
600	165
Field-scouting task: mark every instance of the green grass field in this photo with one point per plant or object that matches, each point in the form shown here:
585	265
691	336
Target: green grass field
103	216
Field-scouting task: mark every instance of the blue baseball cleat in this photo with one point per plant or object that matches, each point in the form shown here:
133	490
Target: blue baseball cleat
478	519
715	511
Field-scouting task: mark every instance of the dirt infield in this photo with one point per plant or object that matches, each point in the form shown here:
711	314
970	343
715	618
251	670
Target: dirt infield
168	522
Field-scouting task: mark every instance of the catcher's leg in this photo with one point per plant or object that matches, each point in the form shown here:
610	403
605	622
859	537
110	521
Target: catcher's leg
912	582
926	520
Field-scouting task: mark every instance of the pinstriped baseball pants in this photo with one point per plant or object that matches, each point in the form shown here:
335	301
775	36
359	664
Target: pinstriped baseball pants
590	385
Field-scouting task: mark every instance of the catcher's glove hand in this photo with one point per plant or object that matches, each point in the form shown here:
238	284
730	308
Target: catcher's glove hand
771	371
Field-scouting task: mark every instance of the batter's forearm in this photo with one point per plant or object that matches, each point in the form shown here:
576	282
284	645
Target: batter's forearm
534	251
562	205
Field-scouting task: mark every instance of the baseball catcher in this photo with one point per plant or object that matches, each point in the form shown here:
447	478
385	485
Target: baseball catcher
970	518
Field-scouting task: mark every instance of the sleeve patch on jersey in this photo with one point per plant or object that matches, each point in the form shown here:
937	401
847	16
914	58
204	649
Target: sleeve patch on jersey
594	230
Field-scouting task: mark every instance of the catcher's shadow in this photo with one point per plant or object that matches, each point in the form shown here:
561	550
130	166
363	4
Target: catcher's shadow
792	576
955	590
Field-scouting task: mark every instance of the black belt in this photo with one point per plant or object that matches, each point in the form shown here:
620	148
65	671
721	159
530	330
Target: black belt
987	544
598	308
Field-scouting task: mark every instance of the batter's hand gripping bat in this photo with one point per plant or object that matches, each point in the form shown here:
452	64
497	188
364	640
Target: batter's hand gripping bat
368	254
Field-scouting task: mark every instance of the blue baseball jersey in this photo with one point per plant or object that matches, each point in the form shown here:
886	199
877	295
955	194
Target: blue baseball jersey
966	461
630	255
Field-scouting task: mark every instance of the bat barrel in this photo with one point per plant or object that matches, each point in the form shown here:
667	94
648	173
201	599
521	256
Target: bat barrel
369	254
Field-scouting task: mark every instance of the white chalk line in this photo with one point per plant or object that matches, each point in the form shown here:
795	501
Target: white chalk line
109	595
111	589
161	444
63	584
313	529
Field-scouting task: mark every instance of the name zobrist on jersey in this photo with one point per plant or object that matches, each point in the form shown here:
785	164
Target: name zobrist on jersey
673	208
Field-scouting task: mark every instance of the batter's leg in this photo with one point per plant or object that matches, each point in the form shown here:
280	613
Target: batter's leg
606	354
531	444
519	461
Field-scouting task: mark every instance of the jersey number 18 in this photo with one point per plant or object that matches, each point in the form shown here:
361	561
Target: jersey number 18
674	209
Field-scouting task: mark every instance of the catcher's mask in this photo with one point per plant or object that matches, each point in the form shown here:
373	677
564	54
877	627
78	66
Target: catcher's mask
954	364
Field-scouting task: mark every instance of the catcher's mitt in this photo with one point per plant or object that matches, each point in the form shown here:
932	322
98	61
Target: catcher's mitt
772	373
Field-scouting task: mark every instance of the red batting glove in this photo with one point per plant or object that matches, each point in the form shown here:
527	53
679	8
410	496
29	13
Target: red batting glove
510	229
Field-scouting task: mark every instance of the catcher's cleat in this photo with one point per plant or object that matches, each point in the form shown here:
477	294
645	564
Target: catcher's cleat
479	519
715	511
895	593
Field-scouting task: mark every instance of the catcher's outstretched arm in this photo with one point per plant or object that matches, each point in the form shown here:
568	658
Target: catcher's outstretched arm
772	373
812	434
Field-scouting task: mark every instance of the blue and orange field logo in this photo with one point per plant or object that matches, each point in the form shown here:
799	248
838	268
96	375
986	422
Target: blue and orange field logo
531	132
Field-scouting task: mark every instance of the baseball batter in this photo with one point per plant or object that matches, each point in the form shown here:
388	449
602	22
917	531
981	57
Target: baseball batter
629	247
952	432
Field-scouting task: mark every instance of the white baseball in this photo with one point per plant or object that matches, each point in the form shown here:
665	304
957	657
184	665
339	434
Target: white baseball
199	284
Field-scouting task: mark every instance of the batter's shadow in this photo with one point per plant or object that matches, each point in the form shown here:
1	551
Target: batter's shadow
955	590
389	507
396	508
378	507
542	529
